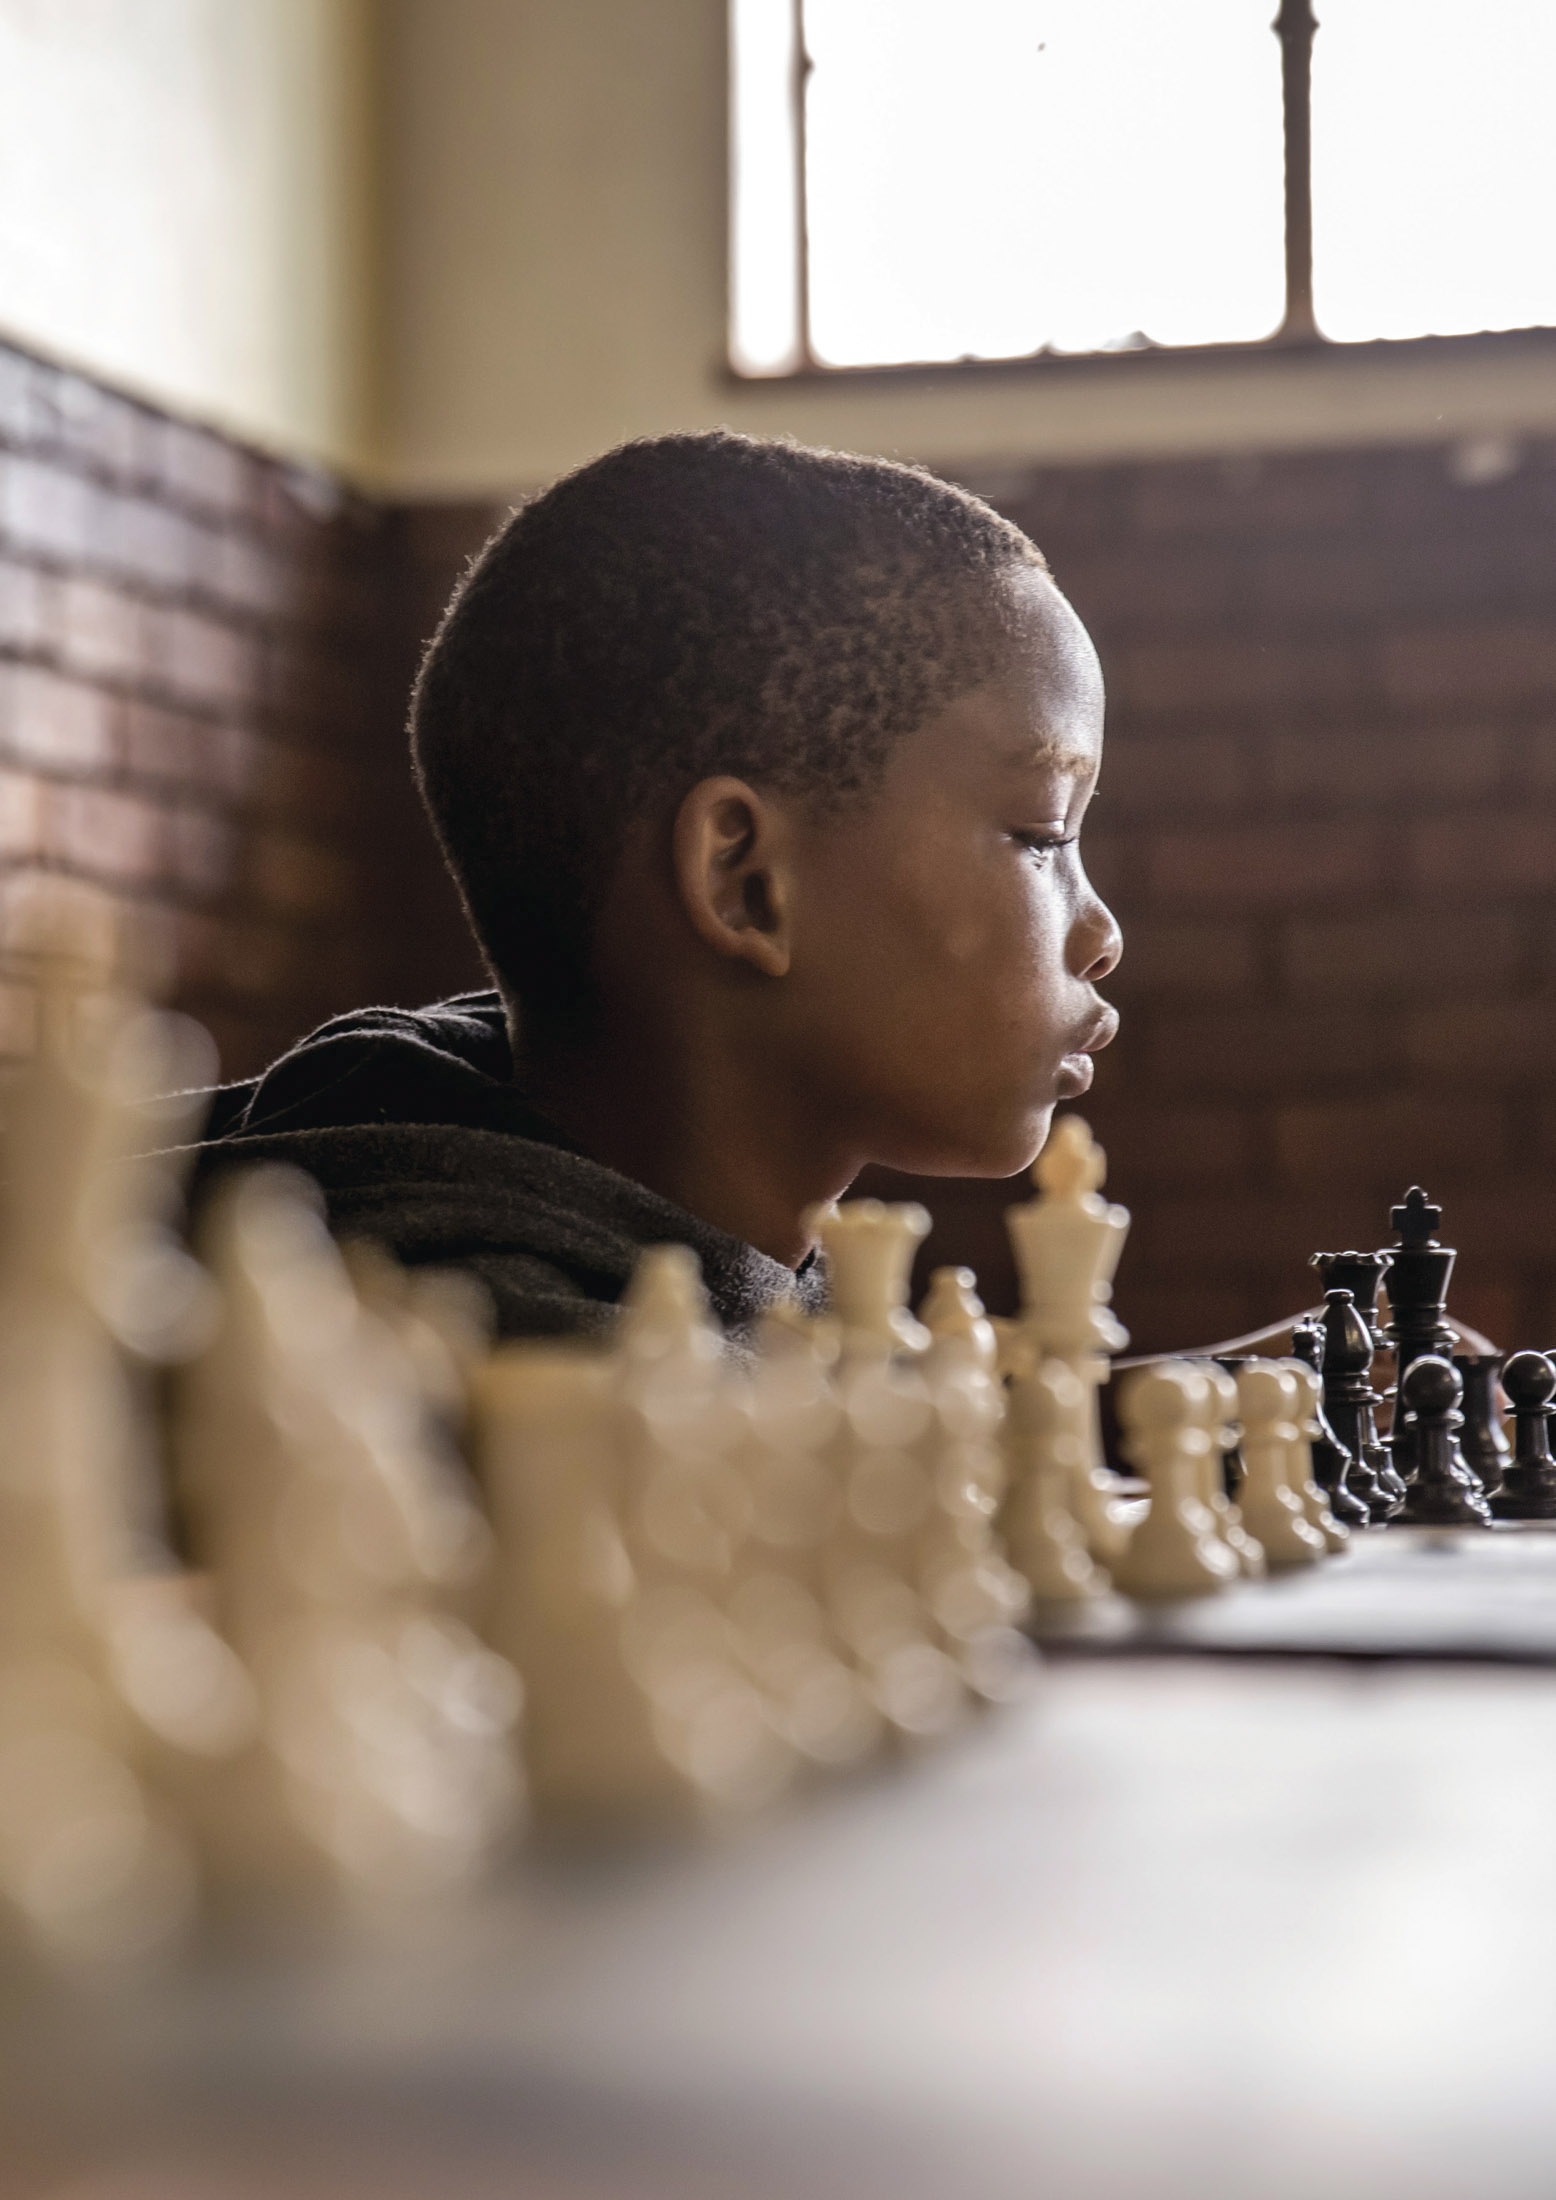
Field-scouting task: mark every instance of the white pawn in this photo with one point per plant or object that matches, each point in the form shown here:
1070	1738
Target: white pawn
1299	1472
1268	1402
1047	1452
869	1246
1067	1245
1175	1551
1222	1424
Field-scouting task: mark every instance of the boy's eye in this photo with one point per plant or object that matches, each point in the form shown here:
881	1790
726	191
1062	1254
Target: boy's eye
1044	845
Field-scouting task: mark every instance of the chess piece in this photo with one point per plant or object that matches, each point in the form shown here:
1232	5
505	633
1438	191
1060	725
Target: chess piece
1231	1365
1221	1423
1345	1479
959	1329
1269	1404
565	1585
1528	1489
869	1246
1360	1274
1299	1469
1418	1275
1443	1492
1046	1449
1349	1398
334	1535
1067	1245
1175	1551
1484	1442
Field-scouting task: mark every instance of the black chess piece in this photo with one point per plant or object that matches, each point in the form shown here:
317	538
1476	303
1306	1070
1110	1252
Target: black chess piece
1232	1469
1528	1489
1443	1493
1418	1272
1336	1469
1361	1274
1351	1401
1484	1442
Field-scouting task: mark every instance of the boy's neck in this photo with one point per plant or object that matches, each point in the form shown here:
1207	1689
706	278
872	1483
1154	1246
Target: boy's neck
723	1137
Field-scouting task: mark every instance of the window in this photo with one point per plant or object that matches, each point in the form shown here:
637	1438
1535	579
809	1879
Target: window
921	181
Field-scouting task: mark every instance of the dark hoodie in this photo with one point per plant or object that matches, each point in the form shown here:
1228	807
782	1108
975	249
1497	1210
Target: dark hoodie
411	1124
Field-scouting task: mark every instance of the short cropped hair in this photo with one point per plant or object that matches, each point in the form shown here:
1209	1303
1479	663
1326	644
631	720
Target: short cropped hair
685	606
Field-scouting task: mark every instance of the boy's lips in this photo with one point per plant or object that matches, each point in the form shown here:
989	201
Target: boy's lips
1076	1068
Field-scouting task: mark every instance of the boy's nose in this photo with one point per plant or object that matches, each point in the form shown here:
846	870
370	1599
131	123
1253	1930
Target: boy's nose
1096	942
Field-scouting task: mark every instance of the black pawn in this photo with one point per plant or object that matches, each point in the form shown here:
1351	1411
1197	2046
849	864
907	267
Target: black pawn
1232	1469
1351	1401
1334	1464
1528	1489
1443	1493
1484	1442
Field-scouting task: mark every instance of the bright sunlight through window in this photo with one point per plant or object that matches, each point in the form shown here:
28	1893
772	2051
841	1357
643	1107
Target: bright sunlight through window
992	178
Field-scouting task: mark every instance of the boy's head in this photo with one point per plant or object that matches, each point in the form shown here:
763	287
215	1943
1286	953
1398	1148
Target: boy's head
803	734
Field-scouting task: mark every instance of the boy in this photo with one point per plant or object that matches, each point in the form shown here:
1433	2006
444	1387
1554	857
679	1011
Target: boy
760	771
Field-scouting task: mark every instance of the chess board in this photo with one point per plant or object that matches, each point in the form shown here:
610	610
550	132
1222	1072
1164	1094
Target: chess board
1422	1593
1249	1931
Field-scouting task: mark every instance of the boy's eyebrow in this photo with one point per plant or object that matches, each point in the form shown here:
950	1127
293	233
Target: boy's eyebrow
1050	753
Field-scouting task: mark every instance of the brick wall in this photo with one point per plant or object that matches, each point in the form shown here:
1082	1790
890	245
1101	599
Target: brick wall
1327	823
1328	826
196	717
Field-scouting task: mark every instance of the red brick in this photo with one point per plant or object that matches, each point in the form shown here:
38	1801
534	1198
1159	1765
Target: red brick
25	607
204	661
1320	1049
1209	1143
99	428
109	835
204	470
1393	1137
201	850
148	544
1278	494
1187	960
1252	1234
222	955
21	816
1492	852
1266	866
46	510
1486	1044
1154	774
298	877
1341	767
250	577
1416	950
164	744
1234	673
58	723
101	632
1476	665
1192	1313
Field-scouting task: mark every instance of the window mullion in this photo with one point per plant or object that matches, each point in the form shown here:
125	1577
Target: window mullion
1294	26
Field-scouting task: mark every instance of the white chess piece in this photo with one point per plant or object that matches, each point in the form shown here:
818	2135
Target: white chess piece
1268	1402
869	1246
1047	1453
1222	1425
1299	1470
971	1590
1067	1245
1175	1551
332	1534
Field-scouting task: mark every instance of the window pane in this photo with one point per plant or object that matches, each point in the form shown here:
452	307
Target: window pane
1434	166
987	177
764	336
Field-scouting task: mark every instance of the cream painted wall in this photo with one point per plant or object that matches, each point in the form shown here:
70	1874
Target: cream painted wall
557	224
187	207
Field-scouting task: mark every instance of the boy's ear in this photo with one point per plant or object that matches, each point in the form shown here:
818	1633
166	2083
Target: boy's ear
732	856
